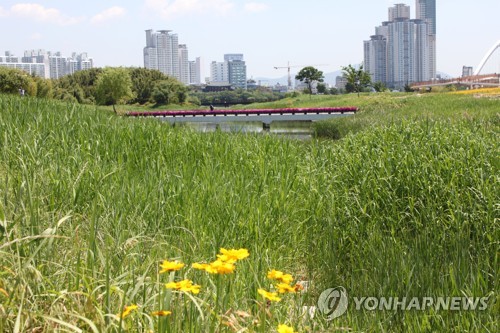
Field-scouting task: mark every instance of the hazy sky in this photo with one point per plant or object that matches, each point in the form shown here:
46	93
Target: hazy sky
268	32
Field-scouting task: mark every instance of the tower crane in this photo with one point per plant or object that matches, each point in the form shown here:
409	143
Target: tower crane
289	75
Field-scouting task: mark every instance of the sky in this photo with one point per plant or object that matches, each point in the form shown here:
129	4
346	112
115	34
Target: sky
327	34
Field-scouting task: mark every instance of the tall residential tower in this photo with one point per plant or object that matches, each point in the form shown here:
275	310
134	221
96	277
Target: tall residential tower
232	71
426	11
162	52
403	50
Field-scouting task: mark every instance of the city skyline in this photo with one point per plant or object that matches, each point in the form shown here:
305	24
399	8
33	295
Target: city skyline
47	64
269	33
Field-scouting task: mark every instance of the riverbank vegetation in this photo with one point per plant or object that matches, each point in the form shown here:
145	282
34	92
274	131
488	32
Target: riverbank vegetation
148	89
114	224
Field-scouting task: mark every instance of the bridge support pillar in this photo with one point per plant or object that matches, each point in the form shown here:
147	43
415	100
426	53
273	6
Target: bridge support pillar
266	127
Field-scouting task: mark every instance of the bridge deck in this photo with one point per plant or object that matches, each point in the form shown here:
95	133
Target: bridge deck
265	116
248	112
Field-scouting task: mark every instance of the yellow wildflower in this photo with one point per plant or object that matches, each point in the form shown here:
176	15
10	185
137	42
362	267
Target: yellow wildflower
280	276
285	329
285	288
221	267
184	285
170	266
202	267
161	313
216	267
128	309
232	255
270	296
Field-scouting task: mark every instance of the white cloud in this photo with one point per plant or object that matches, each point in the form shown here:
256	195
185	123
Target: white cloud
255	7
108	14
40	13
168	9
3	12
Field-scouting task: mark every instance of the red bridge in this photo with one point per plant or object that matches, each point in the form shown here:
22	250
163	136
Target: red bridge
263	115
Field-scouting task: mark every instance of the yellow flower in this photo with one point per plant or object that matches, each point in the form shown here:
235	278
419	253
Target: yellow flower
202	267
216	267
127	311
285	329
170	266
270	296
221	267
184	285
161	313
232	255
280	276
285	288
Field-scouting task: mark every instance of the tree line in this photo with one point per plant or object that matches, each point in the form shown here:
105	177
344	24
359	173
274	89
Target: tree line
357	80
122	85
98	86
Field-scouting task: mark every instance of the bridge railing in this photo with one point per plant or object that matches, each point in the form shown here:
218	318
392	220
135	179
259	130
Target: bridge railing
245	112
460	80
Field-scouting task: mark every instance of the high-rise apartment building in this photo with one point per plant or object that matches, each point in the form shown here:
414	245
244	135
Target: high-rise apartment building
232	71
184	75
200	71
467	71
403	50
399	11
47	64
219	72
30	67
57	64
193	77
407	47
233	57
237	70
426	11
162	52
375	51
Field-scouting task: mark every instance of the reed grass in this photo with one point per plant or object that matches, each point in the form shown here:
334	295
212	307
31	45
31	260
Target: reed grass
406	204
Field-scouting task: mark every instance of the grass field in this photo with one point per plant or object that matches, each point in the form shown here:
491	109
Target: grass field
405	204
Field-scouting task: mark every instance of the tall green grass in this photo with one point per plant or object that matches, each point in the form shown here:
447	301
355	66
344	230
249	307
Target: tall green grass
90	203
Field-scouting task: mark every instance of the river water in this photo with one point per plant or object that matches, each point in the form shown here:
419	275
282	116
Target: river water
301	130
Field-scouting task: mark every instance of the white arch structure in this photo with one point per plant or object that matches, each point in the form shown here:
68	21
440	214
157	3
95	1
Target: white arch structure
486	58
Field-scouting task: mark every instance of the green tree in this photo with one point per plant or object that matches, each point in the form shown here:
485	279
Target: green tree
357	79
407	88
143	83
333	91
43	87
169	91
12	80
81	85
114	86
308	75
379	86
322	88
